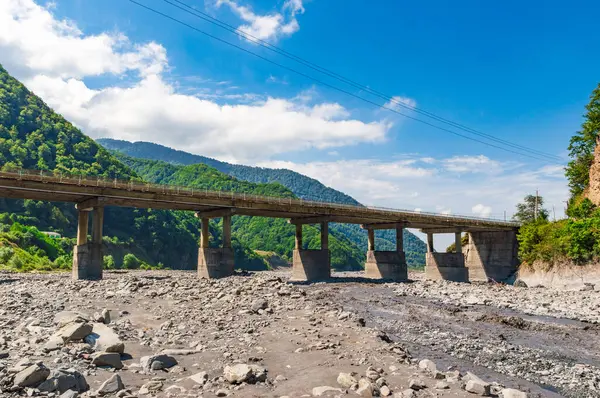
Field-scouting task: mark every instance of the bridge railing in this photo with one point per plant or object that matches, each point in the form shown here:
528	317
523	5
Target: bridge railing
165	189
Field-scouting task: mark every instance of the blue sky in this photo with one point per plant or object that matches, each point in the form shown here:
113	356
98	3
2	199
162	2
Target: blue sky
521	71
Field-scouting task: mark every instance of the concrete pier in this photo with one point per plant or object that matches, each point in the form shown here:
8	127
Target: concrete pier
390	265
446	266
311	265
215	262
492	255
88	257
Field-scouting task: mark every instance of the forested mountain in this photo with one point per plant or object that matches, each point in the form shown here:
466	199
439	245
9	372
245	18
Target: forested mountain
302	186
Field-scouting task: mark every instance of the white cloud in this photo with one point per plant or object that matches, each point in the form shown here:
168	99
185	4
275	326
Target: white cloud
472	164
53	57
481	210
269	26
397	101
34	42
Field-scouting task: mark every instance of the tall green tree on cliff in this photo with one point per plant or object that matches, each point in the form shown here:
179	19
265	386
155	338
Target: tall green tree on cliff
582	145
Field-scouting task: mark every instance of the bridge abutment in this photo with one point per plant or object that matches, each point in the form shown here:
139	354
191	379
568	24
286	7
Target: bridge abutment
311	265
88	257
215	262
492	255
446	266
389	265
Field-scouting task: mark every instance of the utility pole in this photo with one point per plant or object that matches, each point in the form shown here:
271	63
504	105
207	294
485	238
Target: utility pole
535	211
554	212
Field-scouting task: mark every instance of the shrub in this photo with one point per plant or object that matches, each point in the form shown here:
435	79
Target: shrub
130	261
108	262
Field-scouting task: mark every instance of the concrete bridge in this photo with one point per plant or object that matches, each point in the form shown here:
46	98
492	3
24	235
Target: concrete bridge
491	252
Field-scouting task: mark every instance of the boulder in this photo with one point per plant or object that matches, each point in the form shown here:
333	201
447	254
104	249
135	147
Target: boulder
475	385
365	388
103	358
103	338
157	362
111	386
241	373
200	378
347	380
69	394
74	331
428	366
64	380
65	317
32	376
512	393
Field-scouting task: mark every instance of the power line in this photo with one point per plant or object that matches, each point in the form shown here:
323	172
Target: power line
208	18
327	84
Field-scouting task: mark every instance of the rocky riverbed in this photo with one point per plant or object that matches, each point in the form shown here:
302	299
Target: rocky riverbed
168	333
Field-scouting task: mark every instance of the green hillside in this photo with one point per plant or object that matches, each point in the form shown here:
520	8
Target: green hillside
302	186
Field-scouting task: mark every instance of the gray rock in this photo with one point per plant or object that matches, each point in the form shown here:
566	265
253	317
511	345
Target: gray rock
221	393
157	362
65	317
321	390
477	387
441	385
347	380
32	376
106	316
153	386
259	304
103	338
241	373
69	394
63	380
74	331
365	388
112	359
111	386
416	384
428	366
54	343
385	391
200	378
512	393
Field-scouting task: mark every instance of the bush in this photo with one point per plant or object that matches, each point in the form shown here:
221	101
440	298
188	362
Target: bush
130	261
64	262
109	262
5	254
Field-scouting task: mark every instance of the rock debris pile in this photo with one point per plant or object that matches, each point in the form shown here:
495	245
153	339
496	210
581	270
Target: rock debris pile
170	334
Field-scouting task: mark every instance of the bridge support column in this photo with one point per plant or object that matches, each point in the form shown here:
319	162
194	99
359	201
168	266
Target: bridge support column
492	255
389	265
446	266
88	256
311	265
215	262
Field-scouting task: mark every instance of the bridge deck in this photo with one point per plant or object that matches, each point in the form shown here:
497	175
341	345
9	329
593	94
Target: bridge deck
102	192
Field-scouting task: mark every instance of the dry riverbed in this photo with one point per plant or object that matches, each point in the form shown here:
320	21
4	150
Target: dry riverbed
168	333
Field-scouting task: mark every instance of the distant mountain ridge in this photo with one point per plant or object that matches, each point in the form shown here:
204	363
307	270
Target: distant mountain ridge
302	186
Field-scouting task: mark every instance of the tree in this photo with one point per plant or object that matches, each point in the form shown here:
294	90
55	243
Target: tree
582	145
531	210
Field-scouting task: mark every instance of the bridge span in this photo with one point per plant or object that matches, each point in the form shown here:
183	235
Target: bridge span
491	252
